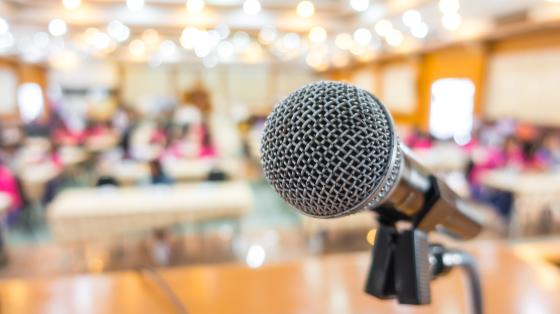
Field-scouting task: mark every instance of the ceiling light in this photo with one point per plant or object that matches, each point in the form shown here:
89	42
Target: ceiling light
267	35
291	41
343	41
6	40
101	41
394	38
411	18
449	6
4	26
451	22
383	27
251	7
362	36
317	34
137	48
189	37
419	30
305	8
205	43
195	6
255	256
223	30
71	4
150	36
135	5
210	61
167	48
241	40
359	5
57	27
225	50
317	60
118	31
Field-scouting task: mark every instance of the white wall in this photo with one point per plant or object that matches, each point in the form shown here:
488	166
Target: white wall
255	87
364	78
398	90
8	85
525	85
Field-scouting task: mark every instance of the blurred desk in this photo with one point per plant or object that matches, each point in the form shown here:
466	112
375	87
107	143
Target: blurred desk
181	170
100	143
534	193
71	156
34	178
5	202
331	284
523	182
442	158
104	212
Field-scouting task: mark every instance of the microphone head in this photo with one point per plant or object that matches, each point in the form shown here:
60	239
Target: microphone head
329	149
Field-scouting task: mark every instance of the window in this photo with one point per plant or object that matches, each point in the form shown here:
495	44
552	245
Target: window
451	109
30	101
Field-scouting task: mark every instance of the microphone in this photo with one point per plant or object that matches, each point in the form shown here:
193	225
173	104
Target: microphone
330	149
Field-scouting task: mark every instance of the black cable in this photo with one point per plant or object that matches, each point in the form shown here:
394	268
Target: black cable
468	264
155	276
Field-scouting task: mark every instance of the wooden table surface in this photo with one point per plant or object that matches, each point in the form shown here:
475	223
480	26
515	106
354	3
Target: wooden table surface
331	284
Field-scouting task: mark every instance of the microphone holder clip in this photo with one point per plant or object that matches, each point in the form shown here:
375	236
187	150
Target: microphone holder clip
404	263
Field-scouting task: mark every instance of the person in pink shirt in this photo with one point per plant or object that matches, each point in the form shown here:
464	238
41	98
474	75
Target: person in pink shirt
8	185
207	149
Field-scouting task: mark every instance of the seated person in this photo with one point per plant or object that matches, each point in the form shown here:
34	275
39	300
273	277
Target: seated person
157	174
9	185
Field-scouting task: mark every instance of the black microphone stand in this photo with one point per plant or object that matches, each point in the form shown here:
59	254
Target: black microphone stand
404	263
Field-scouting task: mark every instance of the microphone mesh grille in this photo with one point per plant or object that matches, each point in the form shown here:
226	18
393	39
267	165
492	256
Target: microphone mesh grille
326	148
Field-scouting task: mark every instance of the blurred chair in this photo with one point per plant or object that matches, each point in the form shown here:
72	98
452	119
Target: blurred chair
106	181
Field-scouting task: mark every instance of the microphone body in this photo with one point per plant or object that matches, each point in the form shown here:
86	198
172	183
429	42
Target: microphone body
330	149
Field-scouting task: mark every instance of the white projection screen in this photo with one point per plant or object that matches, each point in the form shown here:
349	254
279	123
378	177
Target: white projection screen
525	85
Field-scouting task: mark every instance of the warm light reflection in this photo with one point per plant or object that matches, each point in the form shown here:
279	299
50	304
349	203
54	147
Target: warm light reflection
251	7
449	6
317	34
343	41
305	9
57	27
150	36
71	4
371	236
135	5
195	6
362	36
118	31
411	18
382	27
267	35
255	256
137	48
4	26
359	5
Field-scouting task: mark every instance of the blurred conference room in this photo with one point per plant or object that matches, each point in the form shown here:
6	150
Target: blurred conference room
130	146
